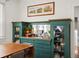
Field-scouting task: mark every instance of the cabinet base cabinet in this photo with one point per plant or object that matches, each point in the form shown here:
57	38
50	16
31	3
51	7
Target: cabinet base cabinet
41	47
42	53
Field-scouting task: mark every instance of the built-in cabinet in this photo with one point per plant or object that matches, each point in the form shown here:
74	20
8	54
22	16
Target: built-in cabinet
41	46
57	46
60	36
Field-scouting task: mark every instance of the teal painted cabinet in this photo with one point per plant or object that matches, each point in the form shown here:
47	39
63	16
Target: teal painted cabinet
60	35
18	29
57	46
41	47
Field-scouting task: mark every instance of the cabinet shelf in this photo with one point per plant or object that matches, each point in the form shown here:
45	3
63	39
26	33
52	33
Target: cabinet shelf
19	29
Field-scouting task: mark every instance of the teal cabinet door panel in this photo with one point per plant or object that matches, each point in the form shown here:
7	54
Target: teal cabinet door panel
16	31
41	54
42	46
42	51
67	41
41	41
60	35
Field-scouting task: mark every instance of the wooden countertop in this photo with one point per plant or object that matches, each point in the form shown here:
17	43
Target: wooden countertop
7	49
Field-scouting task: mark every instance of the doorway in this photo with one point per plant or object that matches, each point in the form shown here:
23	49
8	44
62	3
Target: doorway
76	18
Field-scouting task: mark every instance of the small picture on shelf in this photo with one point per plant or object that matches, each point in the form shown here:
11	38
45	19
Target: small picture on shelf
16	36
17	29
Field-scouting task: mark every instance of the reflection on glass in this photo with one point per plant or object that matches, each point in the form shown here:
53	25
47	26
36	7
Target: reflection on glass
41	30
17	29
58	41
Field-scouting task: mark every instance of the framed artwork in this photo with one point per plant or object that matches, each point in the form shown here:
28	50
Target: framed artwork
41	9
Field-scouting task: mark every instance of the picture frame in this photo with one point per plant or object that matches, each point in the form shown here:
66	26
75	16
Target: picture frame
41	9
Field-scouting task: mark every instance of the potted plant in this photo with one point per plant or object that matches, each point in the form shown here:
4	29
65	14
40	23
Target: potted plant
27	31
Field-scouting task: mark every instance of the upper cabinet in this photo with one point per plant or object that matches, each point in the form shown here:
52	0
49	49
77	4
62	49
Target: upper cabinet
20	29
39	30
16	30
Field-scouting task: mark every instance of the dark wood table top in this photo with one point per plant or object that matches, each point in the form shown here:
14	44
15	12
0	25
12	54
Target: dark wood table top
10	48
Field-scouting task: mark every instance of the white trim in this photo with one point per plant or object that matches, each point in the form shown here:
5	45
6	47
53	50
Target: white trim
3	19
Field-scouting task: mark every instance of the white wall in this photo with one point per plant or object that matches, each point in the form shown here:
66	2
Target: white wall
62	10
2	1
3	26
11	14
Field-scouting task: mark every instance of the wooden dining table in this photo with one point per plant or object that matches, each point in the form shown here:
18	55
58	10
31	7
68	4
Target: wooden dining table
8	49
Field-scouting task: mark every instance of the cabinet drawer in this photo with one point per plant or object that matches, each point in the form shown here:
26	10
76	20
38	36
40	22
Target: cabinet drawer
42	46
42	51
42	41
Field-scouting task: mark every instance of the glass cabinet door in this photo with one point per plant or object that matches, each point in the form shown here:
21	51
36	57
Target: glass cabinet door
58	41
60	37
